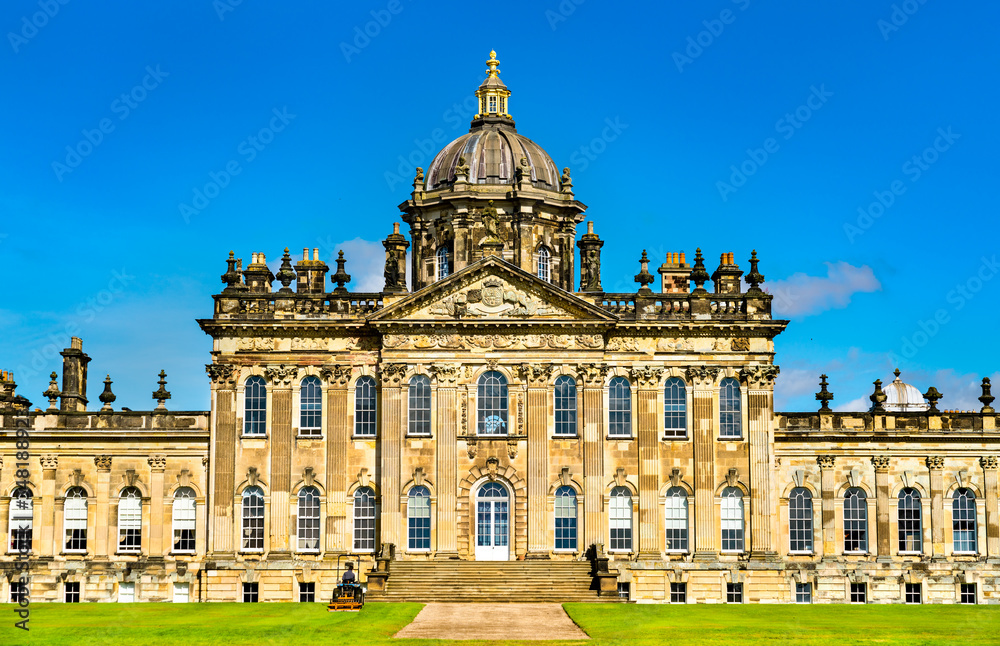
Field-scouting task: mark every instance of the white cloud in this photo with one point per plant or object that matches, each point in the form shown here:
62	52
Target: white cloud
801	295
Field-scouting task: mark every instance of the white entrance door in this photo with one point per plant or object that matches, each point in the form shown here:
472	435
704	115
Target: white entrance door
492	523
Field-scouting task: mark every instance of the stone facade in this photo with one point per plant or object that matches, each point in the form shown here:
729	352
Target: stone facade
375	427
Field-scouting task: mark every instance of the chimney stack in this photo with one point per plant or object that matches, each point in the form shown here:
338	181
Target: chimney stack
675	274
74	391
311	273
727	276
258	276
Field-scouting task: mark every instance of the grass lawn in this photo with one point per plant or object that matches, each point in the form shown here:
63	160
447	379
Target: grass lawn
266	624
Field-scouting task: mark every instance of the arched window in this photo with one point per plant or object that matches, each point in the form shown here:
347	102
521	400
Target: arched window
566	518
364	520
677	520
730	421
908	521
420	405
130	520
443	262
253	520
544	264
621	519
963	522
492	406
565	410
674	408
308	519
255	406
21	520
800	521
418	519
75	520
184	519
732	520
364	407
310	406
619	408
855	521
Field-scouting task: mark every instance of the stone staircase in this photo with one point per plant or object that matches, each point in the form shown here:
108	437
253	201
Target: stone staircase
490	581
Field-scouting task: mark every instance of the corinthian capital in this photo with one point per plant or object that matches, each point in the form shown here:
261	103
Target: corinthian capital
647	376
760	377
703	376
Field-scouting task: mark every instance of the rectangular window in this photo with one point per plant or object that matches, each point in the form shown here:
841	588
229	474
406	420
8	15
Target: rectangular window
250	592
493	104
734	593
17	591
912	593
624	590
307	592
126	592
858	593
565	406
678	593
967	593
182	592
803	593
72	592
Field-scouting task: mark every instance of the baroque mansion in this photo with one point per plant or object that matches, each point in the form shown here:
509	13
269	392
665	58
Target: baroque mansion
497	406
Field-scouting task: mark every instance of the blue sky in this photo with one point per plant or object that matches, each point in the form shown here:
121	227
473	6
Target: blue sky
853	145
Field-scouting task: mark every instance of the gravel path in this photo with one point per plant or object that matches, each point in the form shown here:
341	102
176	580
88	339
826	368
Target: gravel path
489	621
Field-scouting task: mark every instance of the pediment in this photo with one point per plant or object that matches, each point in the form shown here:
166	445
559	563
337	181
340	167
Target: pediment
492	290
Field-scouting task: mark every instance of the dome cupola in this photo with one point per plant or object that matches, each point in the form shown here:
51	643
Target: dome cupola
902	397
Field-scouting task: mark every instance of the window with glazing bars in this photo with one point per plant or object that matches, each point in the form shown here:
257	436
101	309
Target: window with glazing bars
419	409
730	419
18	590
859	593
800	520
678	592
311	406
307	592
677	520
734	593
674	408
565	518
75	520
492	404
619	408
544	264
21	520
967	593
184	518
255	406
418	519
250	593
364	520
72	592
443	263
252	539
130	520
308	519
621	520
908	521
732	520
803	593
855	521
911	592
364	407
963	519
565	410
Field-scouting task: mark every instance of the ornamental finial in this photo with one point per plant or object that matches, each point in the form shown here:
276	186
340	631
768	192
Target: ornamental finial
493	63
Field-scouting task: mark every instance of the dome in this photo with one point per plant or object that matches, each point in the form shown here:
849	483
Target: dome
902	397
493	150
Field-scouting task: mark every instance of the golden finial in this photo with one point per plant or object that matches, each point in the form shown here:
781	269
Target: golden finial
492	64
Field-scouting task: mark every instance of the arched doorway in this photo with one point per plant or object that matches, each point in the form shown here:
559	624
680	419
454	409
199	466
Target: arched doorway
492	523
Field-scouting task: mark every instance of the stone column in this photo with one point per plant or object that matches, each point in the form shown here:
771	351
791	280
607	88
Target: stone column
760	420
222	458
338	438
828	547
446	411
157	517
648	424
989	465
45	541
595	526
537	376
280	378
103	463
935	465
881	464
461	223
391	441
703	380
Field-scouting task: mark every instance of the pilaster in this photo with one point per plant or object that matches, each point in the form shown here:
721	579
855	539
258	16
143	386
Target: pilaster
157	464
281	441
989	465
594	522
446	378
828	547
648	426
935	465
391	440
103	463
44	543
338	437
703	381
222	456
759	381
537	377
881	464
